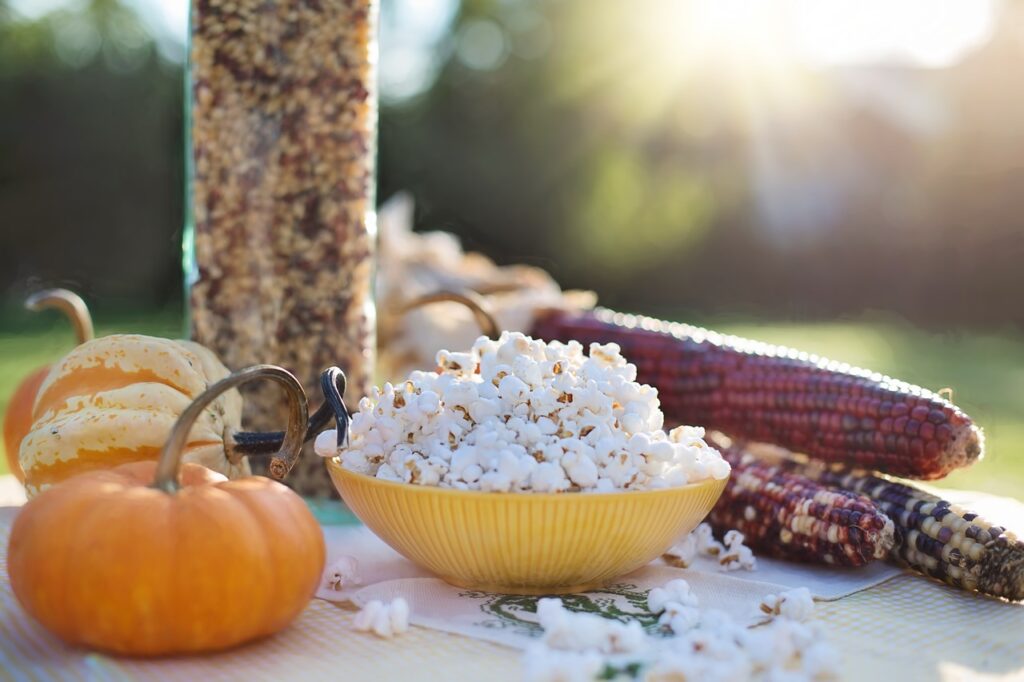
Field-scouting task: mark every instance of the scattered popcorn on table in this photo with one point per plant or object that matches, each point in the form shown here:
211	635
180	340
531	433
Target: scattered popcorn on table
572	631
544	664
675	591
384	620
733	555
736	554
734	537
708	645
682	554
343	573
676	604
520	415
679	618
797	604
706	542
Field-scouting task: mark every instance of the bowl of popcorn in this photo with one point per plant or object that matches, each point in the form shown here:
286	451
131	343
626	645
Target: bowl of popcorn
524	467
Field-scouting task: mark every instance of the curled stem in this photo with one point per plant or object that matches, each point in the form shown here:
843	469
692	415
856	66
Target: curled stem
332	384
169	463
476	303
69	303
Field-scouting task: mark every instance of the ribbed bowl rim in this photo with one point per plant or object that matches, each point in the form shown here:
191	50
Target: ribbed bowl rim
413	489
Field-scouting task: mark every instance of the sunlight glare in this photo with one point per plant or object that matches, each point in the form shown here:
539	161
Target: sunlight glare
925	33
921	33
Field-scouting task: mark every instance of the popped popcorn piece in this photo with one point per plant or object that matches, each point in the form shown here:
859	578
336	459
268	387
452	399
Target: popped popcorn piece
544	664
706	543
572	631
679	618
549	477
736	555
673	666
676	604
734	537
736	558
343	573
522	415
682	554
326	443
673	592
384	620
796	604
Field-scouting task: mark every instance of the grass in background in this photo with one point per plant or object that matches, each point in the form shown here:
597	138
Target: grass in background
985	371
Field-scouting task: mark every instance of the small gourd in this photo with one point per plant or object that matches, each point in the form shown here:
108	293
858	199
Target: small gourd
18	416
114	399
159	558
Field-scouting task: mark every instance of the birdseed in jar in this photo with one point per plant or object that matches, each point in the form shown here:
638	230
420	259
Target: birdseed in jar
283	125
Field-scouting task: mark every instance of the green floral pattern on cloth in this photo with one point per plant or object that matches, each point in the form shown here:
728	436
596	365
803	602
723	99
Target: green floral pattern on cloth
622	602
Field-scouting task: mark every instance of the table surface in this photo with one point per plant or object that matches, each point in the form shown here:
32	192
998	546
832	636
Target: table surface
908	628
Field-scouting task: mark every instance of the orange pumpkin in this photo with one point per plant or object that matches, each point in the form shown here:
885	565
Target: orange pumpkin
18	417
138	560
114	399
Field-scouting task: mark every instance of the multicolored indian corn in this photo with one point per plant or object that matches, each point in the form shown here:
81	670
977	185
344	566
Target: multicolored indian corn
760	392
793	517
935	537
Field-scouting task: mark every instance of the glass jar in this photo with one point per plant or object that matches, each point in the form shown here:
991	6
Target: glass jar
279	243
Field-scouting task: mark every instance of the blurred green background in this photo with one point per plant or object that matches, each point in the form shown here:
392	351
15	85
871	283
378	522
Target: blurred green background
846	178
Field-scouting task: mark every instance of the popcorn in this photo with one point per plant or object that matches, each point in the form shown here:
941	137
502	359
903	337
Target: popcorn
734	537
543	664
737	555
797	604
706	543
674	592
573	631
676	604
682	554
679	618
384	620
521	415
549	477
343	573
326	443
706	645
731	556
580	469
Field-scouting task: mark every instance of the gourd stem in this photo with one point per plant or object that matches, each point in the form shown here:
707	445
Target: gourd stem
169	463
332	384
476	303
69	303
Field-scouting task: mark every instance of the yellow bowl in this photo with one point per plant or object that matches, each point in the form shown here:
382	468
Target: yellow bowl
525	543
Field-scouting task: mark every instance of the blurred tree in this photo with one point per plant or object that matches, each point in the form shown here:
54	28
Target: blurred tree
624	159
619	147
90	155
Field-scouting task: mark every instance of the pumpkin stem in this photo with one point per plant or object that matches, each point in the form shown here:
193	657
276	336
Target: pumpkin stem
69	303
332	384
169	464
476	303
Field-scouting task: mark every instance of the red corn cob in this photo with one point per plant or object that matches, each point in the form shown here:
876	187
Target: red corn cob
771	394
790	516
